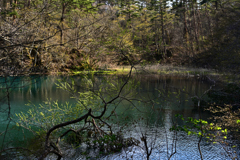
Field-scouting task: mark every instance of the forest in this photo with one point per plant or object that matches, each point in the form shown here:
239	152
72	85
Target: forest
83	37
64	35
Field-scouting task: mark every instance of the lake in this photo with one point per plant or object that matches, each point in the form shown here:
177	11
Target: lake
147	108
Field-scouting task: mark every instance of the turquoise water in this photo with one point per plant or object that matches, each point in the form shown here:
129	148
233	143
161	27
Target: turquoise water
160	99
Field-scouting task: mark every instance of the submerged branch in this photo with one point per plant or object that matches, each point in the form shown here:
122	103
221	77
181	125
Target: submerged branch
47	149
199	147
98	129
47	145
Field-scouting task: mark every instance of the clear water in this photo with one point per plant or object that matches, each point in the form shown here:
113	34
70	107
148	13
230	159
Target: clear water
153	119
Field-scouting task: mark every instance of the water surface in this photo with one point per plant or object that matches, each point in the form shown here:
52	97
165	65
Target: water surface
162	97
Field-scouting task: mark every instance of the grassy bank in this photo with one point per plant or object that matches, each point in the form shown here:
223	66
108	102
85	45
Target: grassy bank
159	69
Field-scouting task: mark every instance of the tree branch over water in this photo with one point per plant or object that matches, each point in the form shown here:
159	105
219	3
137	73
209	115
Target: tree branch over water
48	149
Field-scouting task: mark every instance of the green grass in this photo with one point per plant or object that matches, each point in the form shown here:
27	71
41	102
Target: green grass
162	70
150	69
94	72
166	70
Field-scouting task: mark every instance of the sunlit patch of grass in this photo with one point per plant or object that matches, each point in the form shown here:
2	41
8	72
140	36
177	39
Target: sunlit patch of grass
122	69
94	72
166	70
159	69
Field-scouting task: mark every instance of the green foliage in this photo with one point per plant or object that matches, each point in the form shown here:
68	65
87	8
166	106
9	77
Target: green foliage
46	115
10	13
110	143
201	128
85	99
13	13
226	117
87	64
238	121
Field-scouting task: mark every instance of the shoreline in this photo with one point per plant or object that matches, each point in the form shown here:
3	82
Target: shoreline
186	71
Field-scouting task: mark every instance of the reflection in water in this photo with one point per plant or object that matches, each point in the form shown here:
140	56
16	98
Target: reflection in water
33	88
165	97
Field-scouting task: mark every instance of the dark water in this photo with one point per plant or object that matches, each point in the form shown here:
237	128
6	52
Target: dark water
162	97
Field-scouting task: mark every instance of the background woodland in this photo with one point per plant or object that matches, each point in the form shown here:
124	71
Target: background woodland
64	35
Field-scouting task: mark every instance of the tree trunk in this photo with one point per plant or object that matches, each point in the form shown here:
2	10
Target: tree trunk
62	21
162	28
195	26
185	31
